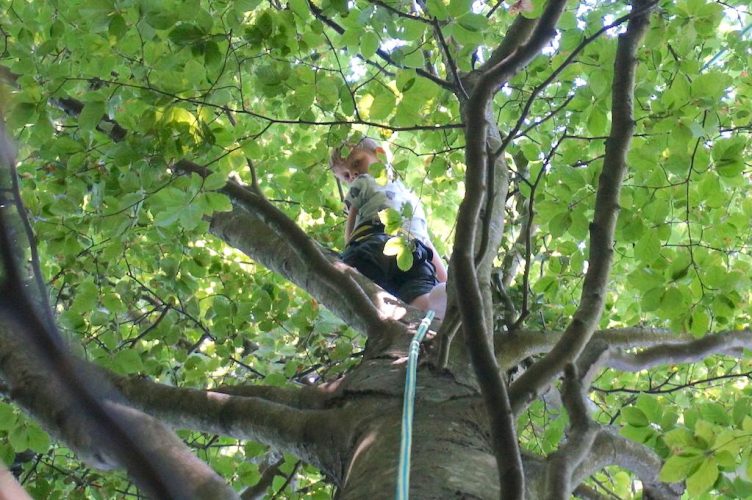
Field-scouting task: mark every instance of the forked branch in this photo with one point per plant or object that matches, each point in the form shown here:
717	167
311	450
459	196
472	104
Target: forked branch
475	328
602	228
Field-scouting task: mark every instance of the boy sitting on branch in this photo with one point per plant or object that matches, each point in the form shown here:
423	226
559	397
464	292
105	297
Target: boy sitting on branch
406	265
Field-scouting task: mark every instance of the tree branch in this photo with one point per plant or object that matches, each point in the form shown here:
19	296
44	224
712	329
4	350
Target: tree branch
152	454
475	328
303	398
611	449
517	34
319	14
588	313
361	303
521	344
261	231
580	438
308	434
87	414
732	343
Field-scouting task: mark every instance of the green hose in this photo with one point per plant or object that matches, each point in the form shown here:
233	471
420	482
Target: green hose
403	471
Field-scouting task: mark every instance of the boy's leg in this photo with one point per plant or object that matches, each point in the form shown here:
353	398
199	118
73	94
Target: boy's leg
368	258
418	286
434	300
422	302
437	300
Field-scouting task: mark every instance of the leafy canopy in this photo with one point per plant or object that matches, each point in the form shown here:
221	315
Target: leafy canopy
261	91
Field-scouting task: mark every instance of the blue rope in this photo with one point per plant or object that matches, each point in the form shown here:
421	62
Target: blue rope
403	472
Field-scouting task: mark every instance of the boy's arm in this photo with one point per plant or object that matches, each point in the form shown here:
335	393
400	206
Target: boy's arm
441	272
352	214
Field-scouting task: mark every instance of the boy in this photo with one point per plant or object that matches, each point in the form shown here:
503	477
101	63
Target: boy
424	284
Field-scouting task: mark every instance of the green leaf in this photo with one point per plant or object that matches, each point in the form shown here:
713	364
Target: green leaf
91	115
559	224
7	417
412	29
597	122
168	217
300	8
637	434
118	27
705	431
127	361
382	105
699	322
634	416
438	9
393	246
391	219
216	180
727	154
218	202
38	440
649	405
86	298
678	468
679	438
19	438
703	479
673	301
459	7
414	59
191	216
474	23
742	408
715	413
405	258
727	459
186	34
160	20
369	44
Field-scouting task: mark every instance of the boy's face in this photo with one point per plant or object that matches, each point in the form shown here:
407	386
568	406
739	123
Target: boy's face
355	164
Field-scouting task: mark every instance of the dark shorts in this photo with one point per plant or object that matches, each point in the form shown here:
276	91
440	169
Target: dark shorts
367	256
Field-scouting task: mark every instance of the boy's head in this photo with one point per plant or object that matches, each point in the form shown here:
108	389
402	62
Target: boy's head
361	155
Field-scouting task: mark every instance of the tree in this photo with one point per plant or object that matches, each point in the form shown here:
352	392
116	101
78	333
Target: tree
588	162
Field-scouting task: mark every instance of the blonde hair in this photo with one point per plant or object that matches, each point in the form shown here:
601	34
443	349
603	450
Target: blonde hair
365	144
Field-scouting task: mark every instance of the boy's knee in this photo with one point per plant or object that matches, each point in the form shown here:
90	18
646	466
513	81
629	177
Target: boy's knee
421	302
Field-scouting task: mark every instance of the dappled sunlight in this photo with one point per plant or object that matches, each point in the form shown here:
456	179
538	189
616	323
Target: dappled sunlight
365	443
390	307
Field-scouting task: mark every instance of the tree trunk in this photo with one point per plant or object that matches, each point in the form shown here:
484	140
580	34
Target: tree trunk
451	452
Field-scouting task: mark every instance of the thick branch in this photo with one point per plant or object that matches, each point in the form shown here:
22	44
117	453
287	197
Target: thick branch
580	438
731	343
586	318
308	434
475	328
517	34
611	449
303	398
521	344
49	383
262	232
41	393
